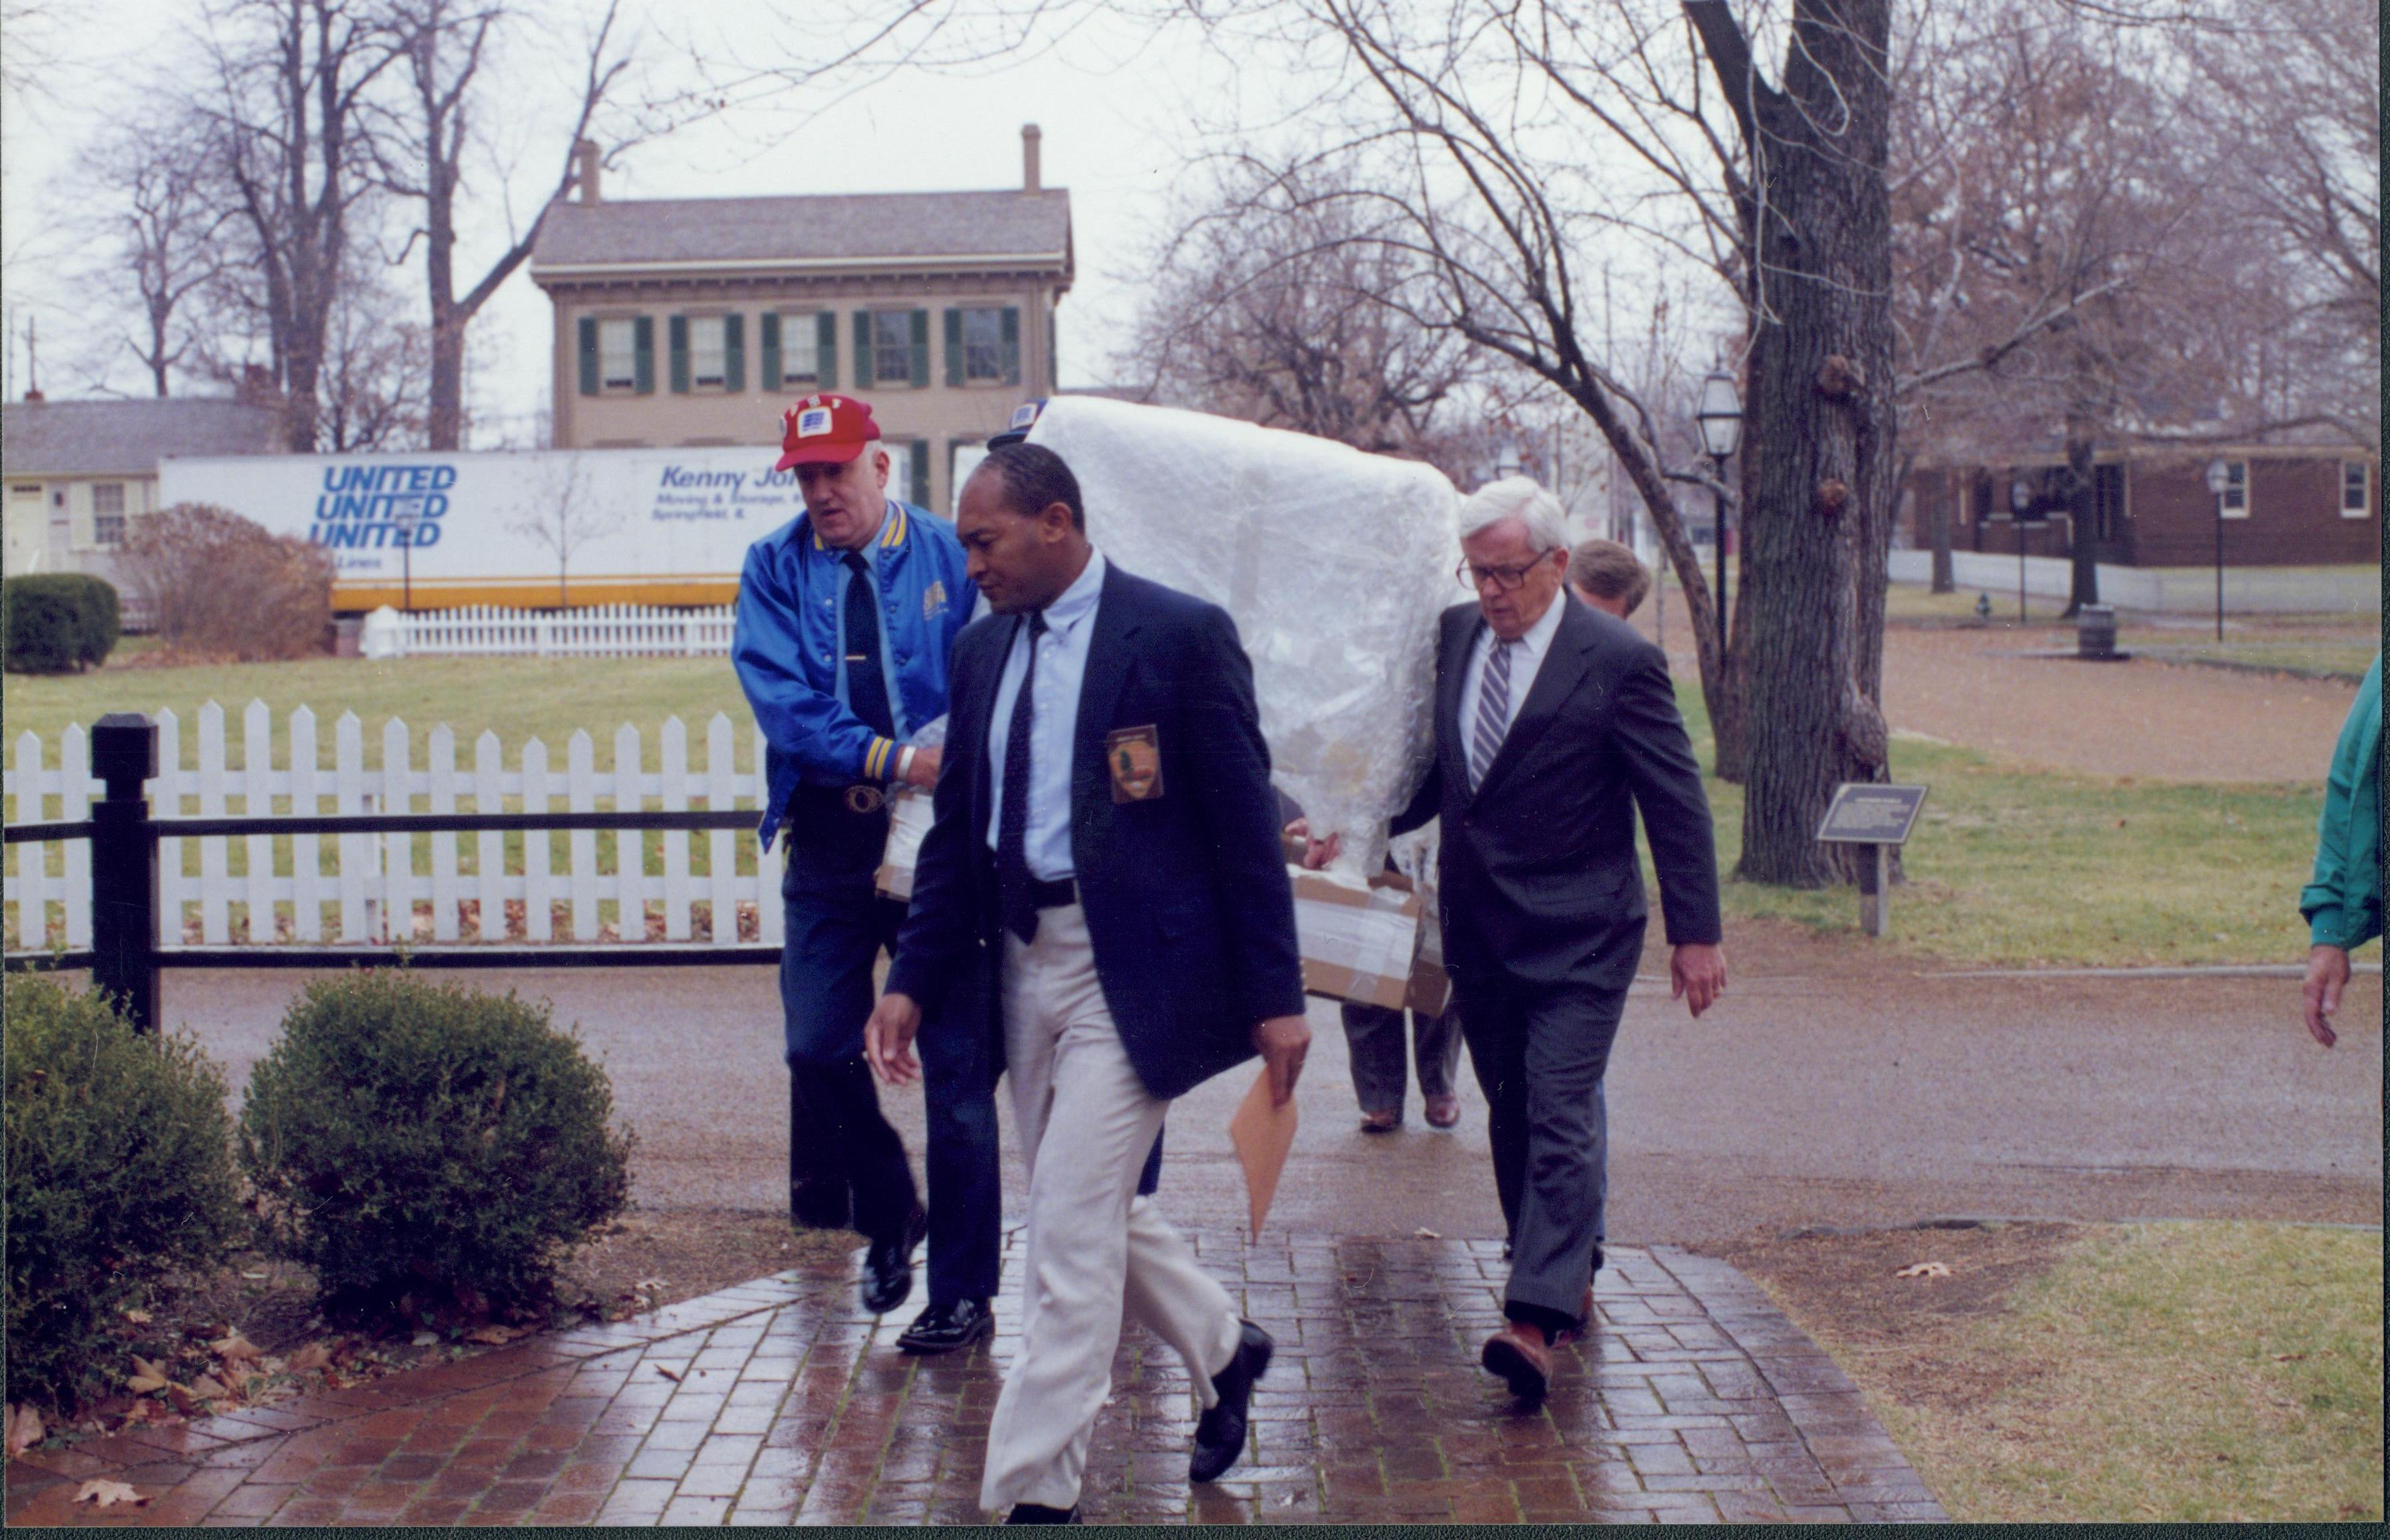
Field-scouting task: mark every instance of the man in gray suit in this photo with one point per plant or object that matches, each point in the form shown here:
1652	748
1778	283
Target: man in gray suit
1555	723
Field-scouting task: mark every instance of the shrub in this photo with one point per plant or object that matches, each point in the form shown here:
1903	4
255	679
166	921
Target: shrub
118	1151
57	621
219	584
412	1138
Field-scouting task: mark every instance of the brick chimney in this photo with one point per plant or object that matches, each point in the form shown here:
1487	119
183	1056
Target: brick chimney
585	151
1028	138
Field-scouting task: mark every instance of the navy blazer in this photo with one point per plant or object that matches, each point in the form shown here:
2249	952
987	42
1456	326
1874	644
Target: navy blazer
1536	871
1186	893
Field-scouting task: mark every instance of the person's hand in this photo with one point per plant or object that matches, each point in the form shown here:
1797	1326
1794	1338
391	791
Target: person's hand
1697	975
923	771
2327	976
888	1039
1283	1041
1317	855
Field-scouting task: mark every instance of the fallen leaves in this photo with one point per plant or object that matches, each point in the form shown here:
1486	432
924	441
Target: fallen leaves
671	1374
2290	1358
148	1375
1924	1270
107	1493
233	1348
496	1336
314	1355
1423	1233
25	1428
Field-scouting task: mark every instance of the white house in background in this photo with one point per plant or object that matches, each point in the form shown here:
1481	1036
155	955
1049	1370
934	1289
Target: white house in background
77	473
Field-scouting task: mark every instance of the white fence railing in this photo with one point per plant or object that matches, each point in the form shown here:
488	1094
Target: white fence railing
600	630
2157	590
575	886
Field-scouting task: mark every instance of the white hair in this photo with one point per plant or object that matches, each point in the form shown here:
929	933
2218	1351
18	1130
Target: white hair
1516	497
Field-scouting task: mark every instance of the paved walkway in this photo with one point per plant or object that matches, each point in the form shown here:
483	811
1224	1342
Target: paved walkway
778	1401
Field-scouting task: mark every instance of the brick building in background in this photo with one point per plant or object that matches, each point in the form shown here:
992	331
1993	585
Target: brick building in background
2286	507
690	322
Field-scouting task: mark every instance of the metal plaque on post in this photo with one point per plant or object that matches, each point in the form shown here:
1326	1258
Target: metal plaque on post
1874	814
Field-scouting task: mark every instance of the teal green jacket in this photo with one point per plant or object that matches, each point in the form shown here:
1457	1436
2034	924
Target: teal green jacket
2343	901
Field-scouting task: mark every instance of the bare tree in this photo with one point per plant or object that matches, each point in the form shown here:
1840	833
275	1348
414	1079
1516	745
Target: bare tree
563	517
444	44
166	231
1275	312
287	103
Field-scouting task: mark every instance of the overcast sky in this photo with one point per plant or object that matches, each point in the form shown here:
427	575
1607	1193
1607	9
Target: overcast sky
1117	110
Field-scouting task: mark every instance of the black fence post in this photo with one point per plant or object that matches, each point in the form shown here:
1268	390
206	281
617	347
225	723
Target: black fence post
124	867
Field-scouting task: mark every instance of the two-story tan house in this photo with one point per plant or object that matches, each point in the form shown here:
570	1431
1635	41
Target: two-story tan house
694	321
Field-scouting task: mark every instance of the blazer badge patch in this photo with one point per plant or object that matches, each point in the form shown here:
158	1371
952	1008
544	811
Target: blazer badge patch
1135	756
933	599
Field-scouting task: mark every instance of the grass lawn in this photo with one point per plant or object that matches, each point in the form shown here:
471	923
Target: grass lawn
2007	867
2189	1373
2019	868
517	698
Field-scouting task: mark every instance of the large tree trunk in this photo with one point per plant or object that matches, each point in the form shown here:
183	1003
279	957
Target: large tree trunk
1818	475
2082	516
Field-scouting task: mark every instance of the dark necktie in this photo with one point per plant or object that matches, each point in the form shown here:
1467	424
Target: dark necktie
1015	900
867	686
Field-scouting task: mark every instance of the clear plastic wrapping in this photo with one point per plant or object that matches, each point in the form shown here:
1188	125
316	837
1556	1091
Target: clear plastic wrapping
1334	563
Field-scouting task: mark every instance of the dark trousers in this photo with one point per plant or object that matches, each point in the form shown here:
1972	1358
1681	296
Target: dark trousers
842	1152
1540	1053
959	1065
1374	1035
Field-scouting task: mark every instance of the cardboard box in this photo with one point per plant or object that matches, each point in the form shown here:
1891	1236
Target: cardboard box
1359	942
908	820
1430	991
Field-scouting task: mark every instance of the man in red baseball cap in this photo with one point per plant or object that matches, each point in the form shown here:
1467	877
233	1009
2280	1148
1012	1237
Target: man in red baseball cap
847	615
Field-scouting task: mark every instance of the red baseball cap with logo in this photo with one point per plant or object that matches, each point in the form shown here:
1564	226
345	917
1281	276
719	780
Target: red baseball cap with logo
825	430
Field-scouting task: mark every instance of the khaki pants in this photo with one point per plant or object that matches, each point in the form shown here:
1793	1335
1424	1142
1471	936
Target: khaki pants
1095	1250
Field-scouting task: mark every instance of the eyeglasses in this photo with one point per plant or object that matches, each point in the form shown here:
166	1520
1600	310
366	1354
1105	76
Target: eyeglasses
1506	580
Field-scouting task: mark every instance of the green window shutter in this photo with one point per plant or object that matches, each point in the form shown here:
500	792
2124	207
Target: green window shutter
769	331
921	349
643	347
676	332
589	355
1053	356
863	376
825	350
733	353
1011	345
954	346
917	452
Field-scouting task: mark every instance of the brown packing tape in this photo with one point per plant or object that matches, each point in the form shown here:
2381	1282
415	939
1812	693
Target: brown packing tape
1339	983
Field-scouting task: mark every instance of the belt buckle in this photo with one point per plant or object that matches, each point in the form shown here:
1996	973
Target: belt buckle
863	799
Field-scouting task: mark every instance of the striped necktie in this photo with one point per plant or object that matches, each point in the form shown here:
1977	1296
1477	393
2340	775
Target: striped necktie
1493	712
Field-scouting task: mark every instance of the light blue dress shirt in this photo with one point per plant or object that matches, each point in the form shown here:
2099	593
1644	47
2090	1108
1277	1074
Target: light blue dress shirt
1053	722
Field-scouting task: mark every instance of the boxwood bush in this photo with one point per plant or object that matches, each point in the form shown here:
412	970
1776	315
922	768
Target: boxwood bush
119	1174
412	1138
56	622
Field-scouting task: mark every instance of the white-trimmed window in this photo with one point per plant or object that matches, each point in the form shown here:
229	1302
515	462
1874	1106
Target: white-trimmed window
800	347
892	346
709	352
983	345
618	355
2353	504
2235	501
108	513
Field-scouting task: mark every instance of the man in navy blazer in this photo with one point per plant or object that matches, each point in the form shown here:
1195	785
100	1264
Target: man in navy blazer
1554	723
1105	833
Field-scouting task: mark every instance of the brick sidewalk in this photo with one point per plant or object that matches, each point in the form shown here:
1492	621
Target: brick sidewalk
778	1401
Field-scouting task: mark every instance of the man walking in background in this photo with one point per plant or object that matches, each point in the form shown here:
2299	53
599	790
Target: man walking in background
1607	576
846	619
2341	902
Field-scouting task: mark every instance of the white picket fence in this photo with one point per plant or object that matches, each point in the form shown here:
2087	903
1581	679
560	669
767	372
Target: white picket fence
290	891
599	631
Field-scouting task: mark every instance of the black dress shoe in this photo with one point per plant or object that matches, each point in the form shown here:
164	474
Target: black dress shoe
945	1328
1038	1513
888	1267
1220	1432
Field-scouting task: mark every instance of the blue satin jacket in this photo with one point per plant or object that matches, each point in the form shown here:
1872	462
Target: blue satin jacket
789	647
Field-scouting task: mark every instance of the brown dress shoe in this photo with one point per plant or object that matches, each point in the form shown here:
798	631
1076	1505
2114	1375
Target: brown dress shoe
1519	1354
1380	1122
1443	1112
